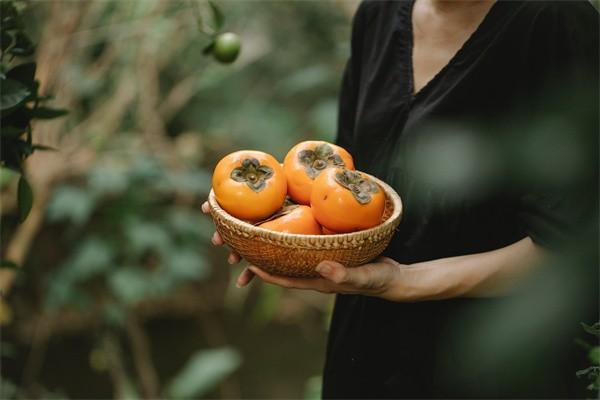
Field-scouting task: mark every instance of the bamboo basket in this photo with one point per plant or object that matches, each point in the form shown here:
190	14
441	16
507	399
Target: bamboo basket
297	255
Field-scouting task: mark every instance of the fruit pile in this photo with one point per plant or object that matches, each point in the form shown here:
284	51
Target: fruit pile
315	191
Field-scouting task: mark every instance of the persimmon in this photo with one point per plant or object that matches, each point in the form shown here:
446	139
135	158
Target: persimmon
306	160
328	231
298	220
249	185
346	201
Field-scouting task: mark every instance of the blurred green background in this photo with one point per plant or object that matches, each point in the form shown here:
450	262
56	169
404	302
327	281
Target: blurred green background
120	292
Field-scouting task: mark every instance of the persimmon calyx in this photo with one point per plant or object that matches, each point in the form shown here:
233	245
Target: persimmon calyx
252	173
361	188
315	161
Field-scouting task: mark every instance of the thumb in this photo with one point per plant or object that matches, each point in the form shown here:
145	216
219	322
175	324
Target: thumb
335	272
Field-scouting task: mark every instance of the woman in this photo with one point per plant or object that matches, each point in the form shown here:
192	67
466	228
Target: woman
412	63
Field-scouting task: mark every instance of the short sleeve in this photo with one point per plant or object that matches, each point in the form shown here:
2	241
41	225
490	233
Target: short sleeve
565	53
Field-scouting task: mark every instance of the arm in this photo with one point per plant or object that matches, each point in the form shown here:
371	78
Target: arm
485	274
492	273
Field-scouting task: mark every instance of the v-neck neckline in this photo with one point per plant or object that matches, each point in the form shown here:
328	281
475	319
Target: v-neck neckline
456	57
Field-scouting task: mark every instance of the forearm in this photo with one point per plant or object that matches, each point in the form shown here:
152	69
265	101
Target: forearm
488	274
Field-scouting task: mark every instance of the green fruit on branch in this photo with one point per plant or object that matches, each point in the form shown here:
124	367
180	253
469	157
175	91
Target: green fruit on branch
226	47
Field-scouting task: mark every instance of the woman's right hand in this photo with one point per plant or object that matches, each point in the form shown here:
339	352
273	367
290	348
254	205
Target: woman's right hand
233	258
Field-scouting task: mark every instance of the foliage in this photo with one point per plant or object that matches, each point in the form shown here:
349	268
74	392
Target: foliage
225	47
122	231
592	373
20	102
132	204
202	372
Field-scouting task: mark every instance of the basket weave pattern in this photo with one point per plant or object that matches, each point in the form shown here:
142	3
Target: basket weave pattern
297	255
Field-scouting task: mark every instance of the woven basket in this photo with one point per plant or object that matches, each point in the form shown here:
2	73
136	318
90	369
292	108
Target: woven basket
297	255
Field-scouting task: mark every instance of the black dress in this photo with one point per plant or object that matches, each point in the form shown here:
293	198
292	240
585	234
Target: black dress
525	60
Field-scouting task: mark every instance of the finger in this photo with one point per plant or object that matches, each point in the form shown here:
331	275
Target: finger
292	283
244	278
340	275
233	258
216	239
386	260
205	207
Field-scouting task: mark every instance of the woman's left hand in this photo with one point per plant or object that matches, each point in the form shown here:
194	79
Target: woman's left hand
371	279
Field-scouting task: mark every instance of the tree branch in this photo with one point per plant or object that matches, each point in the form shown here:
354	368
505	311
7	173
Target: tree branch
142	358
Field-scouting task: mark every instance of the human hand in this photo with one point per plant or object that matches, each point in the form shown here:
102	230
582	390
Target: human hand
373	279
246	276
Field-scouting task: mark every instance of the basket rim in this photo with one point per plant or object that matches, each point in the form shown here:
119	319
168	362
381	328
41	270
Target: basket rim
392	221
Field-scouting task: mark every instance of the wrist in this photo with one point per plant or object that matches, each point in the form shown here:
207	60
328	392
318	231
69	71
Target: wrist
420	282
404	285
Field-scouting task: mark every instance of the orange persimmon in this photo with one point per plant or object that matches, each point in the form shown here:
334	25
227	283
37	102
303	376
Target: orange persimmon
306	160
328	231
249	185
346	201
299	220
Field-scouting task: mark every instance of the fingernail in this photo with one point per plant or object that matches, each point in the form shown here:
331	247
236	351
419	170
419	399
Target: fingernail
238	285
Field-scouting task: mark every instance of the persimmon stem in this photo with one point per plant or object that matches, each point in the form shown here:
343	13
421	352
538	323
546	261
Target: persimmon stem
252	173
360	187
320	158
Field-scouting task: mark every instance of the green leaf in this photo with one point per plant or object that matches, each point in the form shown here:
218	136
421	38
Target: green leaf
202	372
8	264
71	203
196	181
589	372
593	329
185	263
5	40
115	314
142	236
18	116
24	198
11	156
13	93
24	73
107	179
130	284
49	113
23	45
594	355
45	97
42	147
145	169
184	222
10	16
218	17
61	290
93	257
